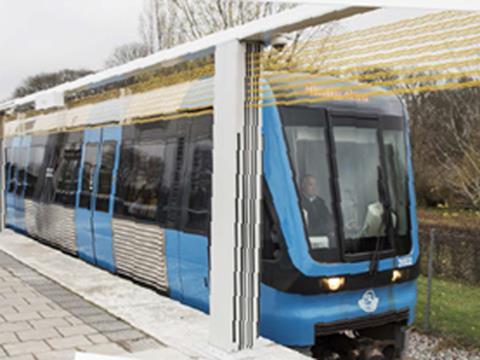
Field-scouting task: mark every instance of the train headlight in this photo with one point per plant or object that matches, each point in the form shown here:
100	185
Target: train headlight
334	283
397	275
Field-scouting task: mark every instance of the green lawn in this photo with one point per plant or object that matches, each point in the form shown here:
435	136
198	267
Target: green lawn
455	310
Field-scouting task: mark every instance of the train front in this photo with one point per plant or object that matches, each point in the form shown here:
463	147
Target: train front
340	247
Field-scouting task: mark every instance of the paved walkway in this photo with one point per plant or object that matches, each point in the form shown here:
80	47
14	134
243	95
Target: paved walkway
132	318
39	319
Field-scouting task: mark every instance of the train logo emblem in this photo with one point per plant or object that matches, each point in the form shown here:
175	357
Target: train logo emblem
369	301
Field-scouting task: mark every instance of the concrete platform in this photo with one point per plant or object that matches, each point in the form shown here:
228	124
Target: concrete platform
41	320
182	330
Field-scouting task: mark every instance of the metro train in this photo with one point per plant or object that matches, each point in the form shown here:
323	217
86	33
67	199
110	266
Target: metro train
339	234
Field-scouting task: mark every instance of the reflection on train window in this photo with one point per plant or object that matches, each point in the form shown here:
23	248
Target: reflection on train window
21	158
89	163
396	166
74	156
7	167
67	175
146	172
150	166
36	156
305	131
125	173
106	175
60	177
46	186
170	207
199	193
11	154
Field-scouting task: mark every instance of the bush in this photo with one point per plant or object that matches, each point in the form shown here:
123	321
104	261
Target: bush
457	243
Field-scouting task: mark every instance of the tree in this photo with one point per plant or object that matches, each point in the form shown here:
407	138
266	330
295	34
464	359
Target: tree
128	52
446	146
458	143
45	81
166	23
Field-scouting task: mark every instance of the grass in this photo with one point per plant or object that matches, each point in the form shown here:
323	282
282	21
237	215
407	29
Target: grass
455	311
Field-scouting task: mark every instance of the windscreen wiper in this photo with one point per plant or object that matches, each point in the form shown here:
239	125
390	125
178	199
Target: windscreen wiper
386	221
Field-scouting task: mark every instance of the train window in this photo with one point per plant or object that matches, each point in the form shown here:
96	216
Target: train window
7	167
149	173
11	155
106	175
125	179
150	157
43	189
46	183
73	155
53	172
396	166
305	130
21	159
359	170
89	163
36	156
199	191
170	207
358	158
60	178
67	174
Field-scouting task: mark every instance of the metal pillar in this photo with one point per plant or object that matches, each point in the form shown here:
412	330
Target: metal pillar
236	207
2	173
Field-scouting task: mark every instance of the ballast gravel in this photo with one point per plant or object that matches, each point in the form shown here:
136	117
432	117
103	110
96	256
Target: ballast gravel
425	347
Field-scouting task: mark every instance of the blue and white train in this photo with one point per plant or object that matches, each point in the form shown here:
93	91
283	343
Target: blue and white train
339	250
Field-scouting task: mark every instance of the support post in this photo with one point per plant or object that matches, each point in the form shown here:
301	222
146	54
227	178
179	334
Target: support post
2	173
431	252
236	200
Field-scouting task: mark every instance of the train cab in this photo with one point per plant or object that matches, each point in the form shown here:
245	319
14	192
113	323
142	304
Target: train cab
340	247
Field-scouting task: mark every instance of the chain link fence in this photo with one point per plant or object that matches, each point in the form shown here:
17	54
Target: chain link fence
449	285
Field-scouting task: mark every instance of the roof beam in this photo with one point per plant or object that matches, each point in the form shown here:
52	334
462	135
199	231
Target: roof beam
423	4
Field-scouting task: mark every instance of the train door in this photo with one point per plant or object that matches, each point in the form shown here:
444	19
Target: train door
109	155
19	198
11	184
83	209
94	206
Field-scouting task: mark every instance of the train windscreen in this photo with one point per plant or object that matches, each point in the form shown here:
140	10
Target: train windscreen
364	207
306	135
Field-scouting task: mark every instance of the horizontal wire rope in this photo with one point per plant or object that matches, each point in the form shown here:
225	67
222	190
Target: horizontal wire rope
366	96
362	86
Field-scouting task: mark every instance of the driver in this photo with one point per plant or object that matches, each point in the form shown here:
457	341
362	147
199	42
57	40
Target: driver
318	218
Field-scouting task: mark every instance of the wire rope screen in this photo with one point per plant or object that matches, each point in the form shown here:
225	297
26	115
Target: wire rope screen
434	52
182	90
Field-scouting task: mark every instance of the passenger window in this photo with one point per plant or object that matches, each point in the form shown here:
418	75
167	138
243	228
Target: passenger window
150	166
199	191
150	173
105	176
89	163
46	185
125	179
7	168
11	176
73	155
60	177
36	156
21	158
67	175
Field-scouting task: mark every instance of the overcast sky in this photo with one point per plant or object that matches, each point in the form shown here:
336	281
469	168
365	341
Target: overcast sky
47	35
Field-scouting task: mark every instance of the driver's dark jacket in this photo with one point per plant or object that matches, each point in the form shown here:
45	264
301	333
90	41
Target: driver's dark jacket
319	219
